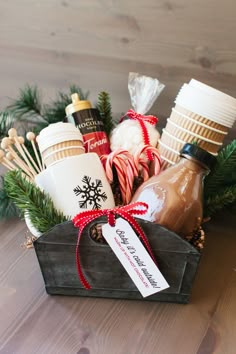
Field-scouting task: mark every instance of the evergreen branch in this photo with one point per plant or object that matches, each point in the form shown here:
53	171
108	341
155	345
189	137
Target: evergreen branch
55	112
29	198
76	89
6	122
104	107
7	207
220	200
224	172
28	103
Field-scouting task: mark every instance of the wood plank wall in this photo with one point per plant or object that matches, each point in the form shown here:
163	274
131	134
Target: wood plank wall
95	43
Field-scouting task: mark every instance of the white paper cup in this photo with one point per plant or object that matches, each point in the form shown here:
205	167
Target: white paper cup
176	144
59	141
171	141
196	117
76	184
197	127
210	101
168	154
219	95
205	105
62	150
190	137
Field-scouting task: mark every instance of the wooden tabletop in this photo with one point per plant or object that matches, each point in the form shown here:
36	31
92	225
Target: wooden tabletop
33	322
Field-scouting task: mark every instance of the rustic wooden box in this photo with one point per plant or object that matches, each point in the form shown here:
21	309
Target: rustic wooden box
176	258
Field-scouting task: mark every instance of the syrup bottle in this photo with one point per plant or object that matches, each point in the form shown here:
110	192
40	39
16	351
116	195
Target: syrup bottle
175	197
88	121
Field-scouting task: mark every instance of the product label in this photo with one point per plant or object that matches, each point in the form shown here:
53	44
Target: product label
134	257
96	142
90	125
88	121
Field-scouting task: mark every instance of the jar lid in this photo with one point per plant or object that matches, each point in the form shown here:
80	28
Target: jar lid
199	154
77	104
57	133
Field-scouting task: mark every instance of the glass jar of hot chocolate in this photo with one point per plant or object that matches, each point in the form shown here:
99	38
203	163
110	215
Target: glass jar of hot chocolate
175	197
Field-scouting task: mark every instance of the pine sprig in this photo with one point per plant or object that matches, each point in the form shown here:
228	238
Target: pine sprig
104	107
220	200
224	172
55	111
27	103
30	199
7	208
6	122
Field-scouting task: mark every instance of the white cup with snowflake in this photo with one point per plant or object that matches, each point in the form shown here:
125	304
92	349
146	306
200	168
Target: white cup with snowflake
76	184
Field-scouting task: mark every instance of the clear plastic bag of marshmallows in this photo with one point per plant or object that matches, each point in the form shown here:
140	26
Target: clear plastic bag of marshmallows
138	129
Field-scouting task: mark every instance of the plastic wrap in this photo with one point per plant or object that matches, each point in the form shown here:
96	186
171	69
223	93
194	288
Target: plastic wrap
129	134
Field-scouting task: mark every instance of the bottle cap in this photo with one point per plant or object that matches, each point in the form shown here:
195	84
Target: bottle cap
199	154
77	104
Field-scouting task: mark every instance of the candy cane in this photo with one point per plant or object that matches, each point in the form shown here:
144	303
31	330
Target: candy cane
126	169
108	162
144	169
131	173
156	157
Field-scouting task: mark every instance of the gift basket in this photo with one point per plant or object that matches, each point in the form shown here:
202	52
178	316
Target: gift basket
117	212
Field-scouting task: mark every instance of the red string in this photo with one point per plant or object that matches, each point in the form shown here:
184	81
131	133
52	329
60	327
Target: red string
126	212
142	119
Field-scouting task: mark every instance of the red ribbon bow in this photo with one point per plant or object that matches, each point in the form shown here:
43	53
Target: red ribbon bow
142	119
126	212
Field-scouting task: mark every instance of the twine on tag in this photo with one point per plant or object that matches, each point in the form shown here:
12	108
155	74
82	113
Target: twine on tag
126	212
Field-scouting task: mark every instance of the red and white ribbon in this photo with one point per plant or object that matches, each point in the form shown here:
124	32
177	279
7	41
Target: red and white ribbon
142	119
126	212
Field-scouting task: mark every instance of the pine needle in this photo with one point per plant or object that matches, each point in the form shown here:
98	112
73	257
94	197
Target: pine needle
28	102
104	107
6	122
7	207
29	198
55	111
220	200
224	172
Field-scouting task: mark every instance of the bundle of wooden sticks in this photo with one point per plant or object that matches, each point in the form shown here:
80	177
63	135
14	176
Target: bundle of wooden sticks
15	154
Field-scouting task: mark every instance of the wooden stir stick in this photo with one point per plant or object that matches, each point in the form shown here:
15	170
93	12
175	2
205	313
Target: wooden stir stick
31	137
5	162
18	141
6	145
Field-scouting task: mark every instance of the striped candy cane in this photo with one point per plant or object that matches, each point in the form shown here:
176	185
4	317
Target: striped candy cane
144	164
126	170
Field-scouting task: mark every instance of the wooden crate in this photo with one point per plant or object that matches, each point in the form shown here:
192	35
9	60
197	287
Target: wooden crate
176	258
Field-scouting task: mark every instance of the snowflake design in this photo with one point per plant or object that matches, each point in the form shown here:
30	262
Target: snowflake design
90	193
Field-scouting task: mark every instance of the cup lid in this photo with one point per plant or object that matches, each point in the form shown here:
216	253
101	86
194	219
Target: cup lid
213	116
206	105
223	97
57	133
205	101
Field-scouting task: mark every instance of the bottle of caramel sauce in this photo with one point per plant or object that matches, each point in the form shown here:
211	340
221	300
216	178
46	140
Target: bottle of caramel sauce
175	197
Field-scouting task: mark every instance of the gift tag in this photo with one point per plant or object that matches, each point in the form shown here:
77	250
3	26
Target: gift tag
134	257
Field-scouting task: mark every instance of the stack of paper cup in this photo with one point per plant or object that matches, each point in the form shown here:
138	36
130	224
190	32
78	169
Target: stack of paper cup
58	141
201	114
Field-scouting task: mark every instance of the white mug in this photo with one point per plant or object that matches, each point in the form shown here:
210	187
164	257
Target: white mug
76	184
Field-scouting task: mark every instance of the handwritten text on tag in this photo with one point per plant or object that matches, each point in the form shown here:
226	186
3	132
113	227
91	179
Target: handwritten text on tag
134	257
